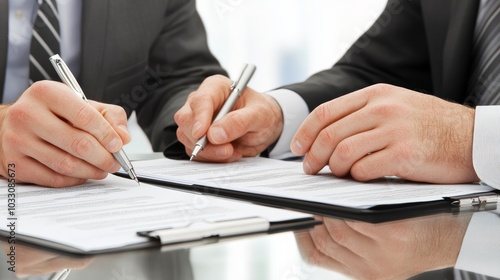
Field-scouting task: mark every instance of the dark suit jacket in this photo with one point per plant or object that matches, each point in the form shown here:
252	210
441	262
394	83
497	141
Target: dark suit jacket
143	55
421	45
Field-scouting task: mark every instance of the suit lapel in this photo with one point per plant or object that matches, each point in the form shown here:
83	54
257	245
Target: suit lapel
4	41
94	30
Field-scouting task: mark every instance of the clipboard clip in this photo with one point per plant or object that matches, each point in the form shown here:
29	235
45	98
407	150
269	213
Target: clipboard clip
206	229
482	201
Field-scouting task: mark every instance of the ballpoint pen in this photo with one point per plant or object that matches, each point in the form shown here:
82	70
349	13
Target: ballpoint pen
236	90
70	80
60	275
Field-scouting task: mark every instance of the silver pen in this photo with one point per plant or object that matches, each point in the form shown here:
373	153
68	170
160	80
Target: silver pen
236	90
70	80
60	275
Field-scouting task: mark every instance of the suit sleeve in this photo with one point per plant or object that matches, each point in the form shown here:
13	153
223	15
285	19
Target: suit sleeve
393	50
181	60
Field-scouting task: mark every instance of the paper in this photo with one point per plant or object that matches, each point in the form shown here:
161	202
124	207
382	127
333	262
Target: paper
286	179
107	214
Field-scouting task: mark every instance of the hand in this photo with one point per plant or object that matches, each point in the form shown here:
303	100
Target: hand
55	139
385	130
33	262
392	250
255	122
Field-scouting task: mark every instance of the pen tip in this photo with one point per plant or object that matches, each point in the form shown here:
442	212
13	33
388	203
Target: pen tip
191	158
137	180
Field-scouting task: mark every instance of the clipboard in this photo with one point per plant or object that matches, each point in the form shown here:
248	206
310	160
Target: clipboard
115	214
484	201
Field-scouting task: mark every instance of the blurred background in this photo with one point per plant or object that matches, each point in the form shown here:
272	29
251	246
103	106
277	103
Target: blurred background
288	40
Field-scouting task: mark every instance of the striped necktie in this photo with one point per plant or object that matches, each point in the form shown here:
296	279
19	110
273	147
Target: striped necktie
484	86
45	42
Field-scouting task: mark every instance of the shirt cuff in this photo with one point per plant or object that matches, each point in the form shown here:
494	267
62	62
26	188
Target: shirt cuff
486	147
294	110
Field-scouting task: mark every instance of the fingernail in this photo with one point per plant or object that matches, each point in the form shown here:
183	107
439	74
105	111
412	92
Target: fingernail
296	147
124	129
307	168
218	135
196	128
114	145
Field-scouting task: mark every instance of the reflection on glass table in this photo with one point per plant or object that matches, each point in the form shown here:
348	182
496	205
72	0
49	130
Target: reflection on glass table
444	246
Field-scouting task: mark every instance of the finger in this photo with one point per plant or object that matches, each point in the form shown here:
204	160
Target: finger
63	163
377	165
308	250
328	139
210	153
64	103
32	171
79	144
324	115
344	233
116	117
206	101
238	123
352	149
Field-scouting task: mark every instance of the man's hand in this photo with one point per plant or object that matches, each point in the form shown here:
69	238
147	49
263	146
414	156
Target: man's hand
392	250
385	130
255	122
56	139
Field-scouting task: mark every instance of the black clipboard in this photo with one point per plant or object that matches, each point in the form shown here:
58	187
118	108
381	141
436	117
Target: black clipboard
376	214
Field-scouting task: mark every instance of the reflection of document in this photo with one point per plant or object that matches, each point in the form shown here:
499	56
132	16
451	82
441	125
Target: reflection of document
284	179
107	214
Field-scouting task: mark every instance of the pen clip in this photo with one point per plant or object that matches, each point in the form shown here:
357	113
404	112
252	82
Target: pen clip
206	229
65	74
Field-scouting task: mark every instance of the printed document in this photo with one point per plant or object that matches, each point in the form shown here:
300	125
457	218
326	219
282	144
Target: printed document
286	179
107	214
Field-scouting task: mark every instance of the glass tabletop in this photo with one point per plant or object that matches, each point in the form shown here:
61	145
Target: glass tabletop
442	246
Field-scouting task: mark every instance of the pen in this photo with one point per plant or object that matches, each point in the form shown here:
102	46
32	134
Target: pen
70	80
236	90
60	275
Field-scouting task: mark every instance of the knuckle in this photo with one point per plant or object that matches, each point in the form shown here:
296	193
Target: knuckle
385	110
19	113
359	172
81	146
322	113
345	150
106	134
326	138
339	236
58	181
379	89
220	79
12	140
183	116
85	115
313	160
40	88
66	165
117	111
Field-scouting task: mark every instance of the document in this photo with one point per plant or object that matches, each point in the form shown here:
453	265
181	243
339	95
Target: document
284	179
107	214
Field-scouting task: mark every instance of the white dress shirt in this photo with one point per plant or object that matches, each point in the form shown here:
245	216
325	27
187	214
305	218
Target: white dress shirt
22	14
